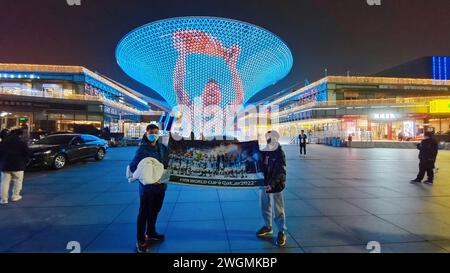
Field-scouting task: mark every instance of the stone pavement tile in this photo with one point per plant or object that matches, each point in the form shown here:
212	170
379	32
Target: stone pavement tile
372	228
418	247
50	189
33	200
337	249
226	195
70	200
54	239
121	238
129	215
125	186
91	188
270	250
348	193
92	215
241	210
9	237
319	231
311	193
441	200
334	207
114	198
196	211
445	244
242	235
198	196
418	205
379	206
195	236
327	182
382	192
422	225
300	208
11	217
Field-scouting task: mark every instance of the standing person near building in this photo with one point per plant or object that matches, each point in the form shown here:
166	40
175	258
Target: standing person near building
302	137
350	139
428	152
151	195
274	169
13	162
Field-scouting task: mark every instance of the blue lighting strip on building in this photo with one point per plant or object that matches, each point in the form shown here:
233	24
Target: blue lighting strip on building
445	70
434	69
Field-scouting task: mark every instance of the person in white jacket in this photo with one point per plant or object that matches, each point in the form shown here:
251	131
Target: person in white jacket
146	166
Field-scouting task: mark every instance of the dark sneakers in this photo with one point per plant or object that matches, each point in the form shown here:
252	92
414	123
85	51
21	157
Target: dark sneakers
155	237
264	231
429	182
281	239
141	248
416	181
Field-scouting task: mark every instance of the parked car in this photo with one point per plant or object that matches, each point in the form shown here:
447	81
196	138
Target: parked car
56	150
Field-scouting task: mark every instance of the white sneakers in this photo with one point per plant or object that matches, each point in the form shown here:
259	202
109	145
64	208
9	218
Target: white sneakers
14	199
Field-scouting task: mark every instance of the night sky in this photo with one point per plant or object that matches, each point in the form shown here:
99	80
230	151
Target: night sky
339	35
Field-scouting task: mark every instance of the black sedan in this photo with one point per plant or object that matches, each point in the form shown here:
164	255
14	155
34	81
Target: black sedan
57	150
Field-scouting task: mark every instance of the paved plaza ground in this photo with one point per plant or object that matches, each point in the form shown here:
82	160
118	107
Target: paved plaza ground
337	200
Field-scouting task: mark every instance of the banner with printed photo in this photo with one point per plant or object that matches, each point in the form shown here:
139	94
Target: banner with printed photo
220	163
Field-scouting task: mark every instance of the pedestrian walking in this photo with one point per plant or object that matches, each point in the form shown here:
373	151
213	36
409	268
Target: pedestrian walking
13	162
302	137
427	156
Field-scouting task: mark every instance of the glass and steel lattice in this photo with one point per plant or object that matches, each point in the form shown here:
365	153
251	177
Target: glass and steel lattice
216	60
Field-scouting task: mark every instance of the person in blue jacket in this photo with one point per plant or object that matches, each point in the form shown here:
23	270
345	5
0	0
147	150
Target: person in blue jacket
151	195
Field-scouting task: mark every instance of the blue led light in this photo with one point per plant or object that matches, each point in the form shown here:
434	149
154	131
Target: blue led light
434	69
151	55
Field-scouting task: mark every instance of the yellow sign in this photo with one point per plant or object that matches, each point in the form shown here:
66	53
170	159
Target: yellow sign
440	107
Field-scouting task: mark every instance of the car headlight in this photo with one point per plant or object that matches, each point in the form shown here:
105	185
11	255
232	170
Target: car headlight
43	153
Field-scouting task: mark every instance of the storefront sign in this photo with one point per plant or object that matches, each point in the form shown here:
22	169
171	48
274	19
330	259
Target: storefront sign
385	116
219	163
440	107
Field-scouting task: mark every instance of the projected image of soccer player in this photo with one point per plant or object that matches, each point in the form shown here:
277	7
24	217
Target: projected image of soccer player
188	42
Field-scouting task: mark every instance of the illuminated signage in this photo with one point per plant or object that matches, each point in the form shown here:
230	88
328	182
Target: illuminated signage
385	116
440	106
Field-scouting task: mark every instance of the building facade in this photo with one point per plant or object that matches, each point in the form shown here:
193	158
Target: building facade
368	108
51	98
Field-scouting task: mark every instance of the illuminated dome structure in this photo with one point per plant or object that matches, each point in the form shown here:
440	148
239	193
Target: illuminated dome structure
217	61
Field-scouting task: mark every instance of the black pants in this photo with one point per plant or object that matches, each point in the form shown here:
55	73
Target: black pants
426	167
303	148
152	197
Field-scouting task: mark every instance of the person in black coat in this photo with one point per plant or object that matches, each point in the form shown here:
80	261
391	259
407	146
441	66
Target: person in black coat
428	152
271	196
302	139
15	156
